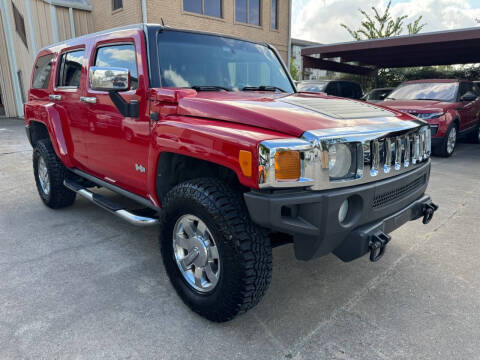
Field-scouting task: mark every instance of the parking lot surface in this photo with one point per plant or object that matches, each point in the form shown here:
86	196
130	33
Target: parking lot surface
81	283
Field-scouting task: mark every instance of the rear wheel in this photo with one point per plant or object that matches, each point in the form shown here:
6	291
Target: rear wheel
449	143
49	175
474	136
218	260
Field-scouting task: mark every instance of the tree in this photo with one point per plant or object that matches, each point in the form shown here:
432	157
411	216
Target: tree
381	26
294	71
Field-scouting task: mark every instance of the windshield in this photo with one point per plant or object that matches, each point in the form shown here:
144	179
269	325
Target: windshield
317	87
426	91
214	63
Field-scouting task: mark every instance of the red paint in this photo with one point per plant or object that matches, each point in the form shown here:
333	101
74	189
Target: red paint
212	126
466	113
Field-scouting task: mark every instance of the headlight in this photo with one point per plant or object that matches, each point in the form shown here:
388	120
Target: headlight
427	116
339	161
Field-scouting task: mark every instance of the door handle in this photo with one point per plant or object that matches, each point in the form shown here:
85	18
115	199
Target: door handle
55	97
90	100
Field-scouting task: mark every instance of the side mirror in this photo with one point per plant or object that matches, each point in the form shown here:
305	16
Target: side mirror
468	97
109	79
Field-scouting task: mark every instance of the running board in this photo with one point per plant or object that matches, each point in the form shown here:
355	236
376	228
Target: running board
110	205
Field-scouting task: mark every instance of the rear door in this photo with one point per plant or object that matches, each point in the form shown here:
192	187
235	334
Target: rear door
118	146
466	109
66	95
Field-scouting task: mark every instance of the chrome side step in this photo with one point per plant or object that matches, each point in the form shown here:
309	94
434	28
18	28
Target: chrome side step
110	205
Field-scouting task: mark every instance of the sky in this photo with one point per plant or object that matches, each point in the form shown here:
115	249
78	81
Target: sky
319	20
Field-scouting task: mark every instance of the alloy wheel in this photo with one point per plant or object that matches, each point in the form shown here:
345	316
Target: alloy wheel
43	176
452	140
196	253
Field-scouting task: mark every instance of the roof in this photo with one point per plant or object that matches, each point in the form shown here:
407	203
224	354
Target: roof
435	48
75	4
301	42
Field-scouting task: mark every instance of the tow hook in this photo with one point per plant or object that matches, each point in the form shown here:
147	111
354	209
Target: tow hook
428	210
377	245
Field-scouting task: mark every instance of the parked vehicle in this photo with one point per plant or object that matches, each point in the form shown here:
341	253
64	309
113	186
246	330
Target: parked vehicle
451	107
343	88
377	95
235	161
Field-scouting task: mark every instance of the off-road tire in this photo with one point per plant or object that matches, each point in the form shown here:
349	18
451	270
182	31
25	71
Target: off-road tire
244	248
58	196
441	150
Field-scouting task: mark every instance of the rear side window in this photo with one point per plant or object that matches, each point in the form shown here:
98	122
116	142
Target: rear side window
70	69
120	56
41	73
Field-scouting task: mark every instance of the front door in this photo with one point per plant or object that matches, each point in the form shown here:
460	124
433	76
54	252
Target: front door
467	108
117	145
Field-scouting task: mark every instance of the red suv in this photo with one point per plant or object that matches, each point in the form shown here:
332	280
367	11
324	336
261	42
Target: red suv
208	135
451	107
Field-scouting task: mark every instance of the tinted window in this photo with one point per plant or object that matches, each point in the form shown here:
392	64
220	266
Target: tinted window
332	89
70	69
41	72
190	59
378	94
117	4
443	91
347	90
465	87
120	56
476	89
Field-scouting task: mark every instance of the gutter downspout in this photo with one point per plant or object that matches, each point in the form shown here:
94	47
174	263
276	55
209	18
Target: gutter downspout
72	22
144	11
289	50
11	56
53	16
31	26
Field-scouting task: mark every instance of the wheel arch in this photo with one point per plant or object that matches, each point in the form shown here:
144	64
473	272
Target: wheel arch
174	168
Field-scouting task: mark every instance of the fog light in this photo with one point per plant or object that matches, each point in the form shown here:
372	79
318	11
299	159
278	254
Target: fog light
343	212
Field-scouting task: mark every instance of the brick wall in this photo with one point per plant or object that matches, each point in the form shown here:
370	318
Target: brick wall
173	15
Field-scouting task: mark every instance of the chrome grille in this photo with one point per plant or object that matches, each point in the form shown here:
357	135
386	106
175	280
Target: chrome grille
390	153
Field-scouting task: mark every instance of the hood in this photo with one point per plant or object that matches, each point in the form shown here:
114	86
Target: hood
291	114
417	106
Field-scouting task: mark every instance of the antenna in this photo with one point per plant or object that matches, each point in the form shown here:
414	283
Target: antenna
163	24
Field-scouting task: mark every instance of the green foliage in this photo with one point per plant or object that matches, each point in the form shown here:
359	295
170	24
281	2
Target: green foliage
383	25
294	71
394	77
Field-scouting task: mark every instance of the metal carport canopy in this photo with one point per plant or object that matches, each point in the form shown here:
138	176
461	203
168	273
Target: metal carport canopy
436	48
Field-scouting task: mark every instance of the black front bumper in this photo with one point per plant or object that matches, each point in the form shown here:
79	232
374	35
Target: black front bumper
311	217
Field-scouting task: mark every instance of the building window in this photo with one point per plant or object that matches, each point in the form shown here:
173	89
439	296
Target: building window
20	81
117	4
274	19
19	25
204	7
247	11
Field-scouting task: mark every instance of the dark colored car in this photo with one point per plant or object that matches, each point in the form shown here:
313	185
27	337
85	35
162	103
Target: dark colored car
377	95
451	107
341	88
208	135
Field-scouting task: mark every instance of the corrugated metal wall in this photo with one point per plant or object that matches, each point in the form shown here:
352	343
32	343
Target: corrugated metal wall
43	34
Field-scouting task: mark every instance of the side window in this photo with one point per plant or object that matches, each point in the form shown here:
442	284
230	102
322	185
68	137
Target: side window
347	90
120	56
331	89
41	72
70	69
464	88
476	89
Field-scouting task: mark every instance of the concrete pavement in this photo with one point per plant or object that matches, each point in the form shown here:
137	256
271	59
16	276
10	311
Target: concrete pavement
81	283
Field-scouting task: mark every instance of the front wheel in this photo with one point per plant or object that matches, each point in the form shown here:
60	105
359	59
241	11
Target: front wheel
218	260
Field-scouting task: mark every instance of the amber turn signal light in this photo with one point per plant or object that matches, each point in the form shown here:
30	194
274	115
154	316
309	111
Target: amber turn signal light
287	165
245	160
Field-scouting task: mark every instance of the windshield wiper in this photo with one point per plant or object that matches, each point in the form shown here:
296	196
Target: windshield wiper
209	88
263	88
390	98
429	99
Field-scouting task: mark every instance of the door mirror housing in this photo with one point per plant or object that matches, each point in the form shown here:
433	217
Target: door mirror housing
469	96
109	78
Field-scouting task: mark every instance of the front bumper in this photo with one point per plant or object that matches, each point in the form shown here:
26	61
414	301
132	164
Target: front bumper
311	217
